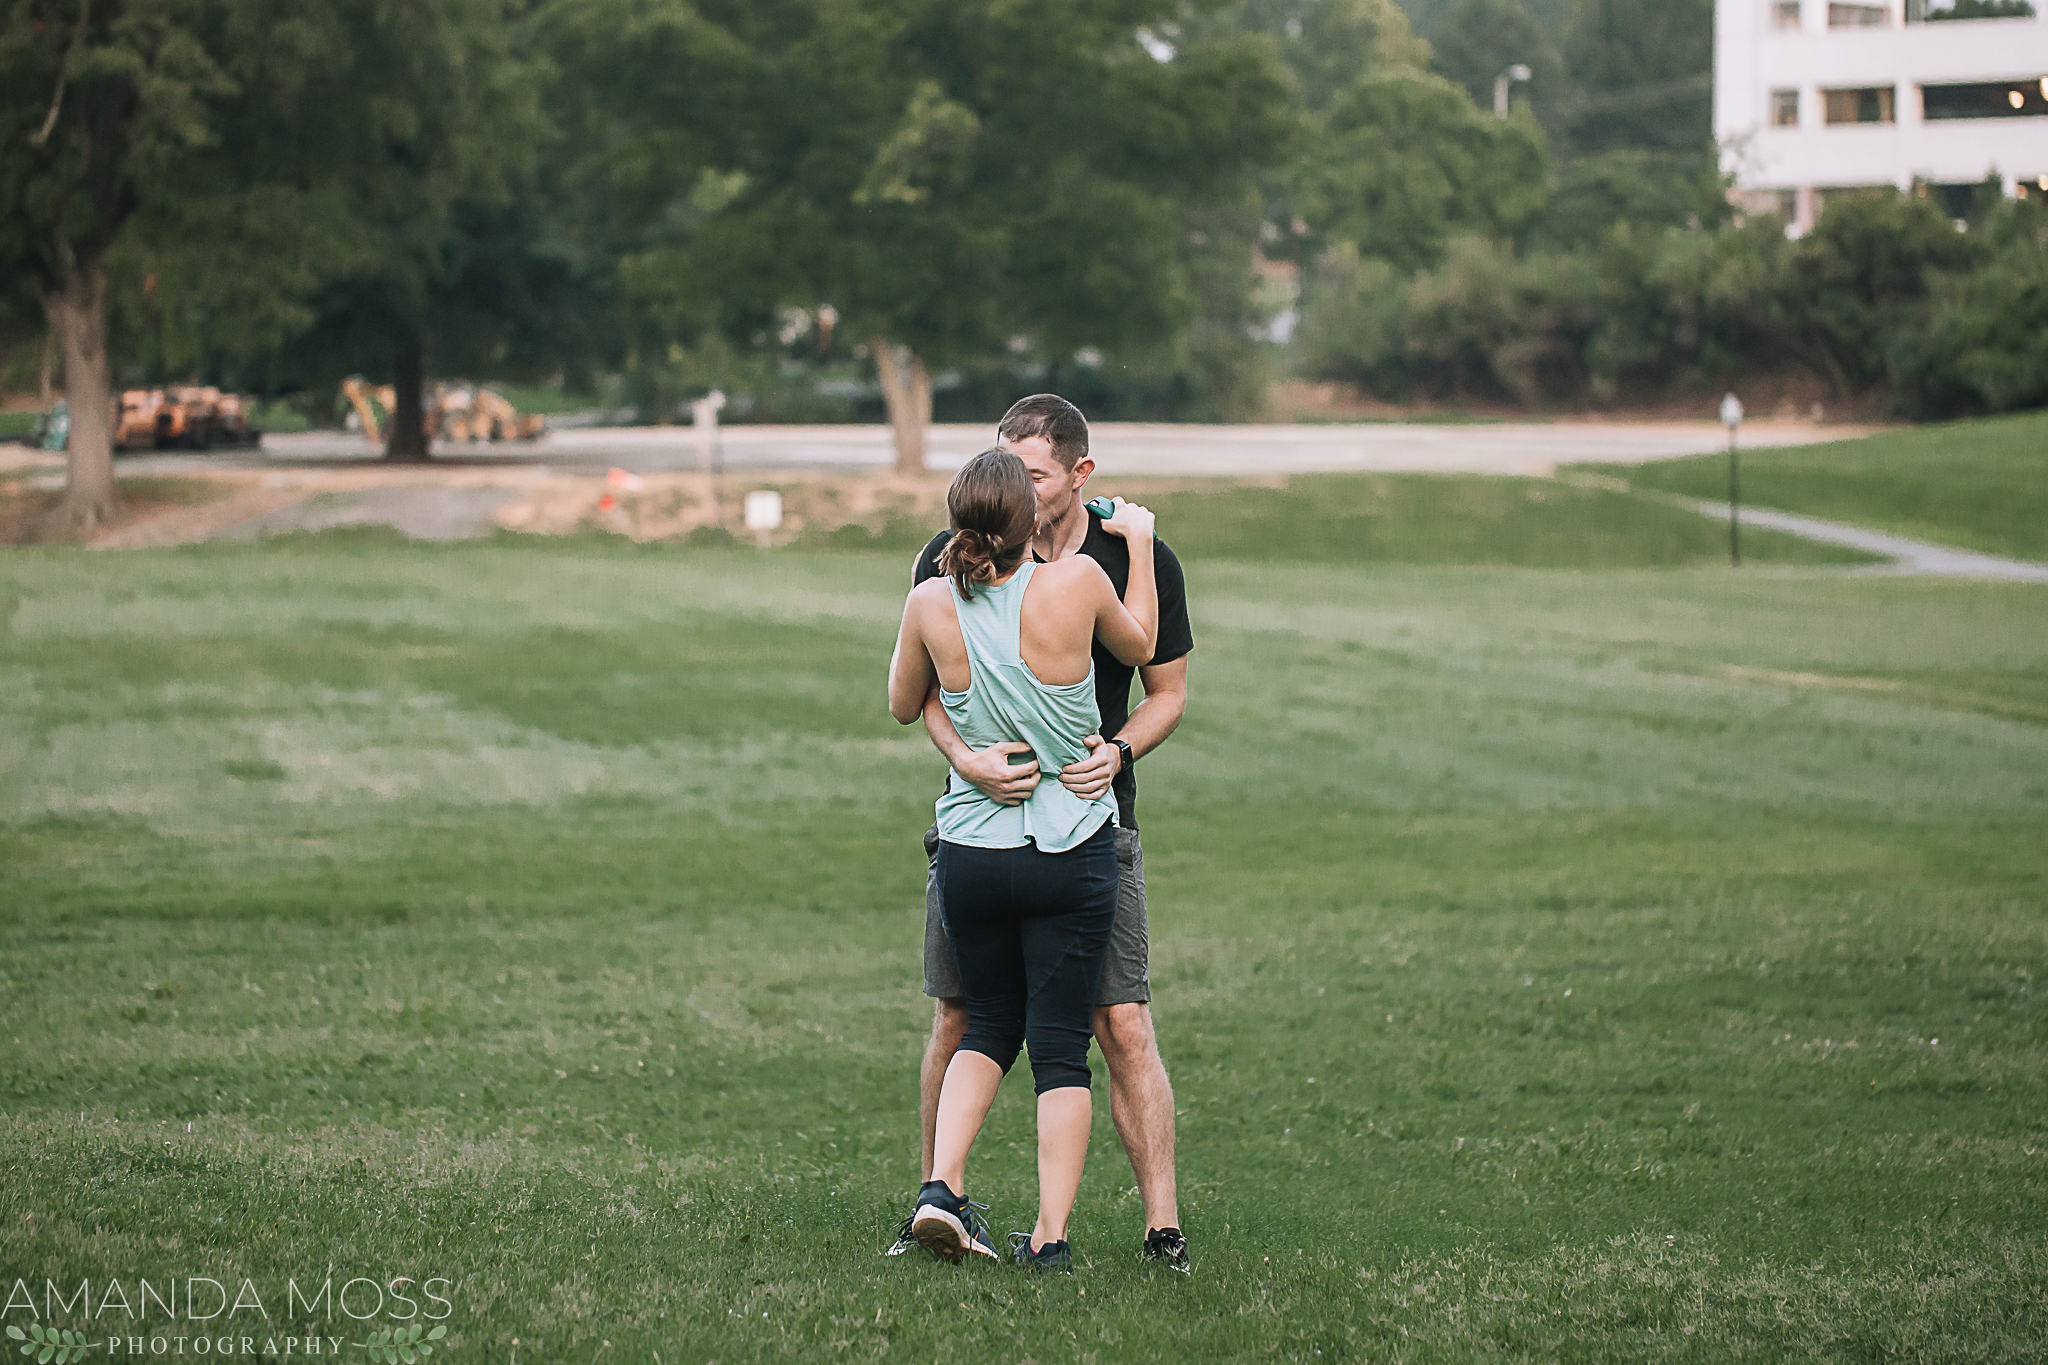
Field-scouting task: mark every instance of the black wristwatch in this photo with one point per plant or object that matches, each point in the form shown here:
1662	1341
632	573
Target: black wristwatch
1128	757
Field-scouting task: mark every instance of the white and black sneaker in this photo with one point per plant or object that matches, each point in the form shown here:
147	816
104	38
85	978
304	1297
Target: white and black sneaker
904	1243
950	1227
1165	1246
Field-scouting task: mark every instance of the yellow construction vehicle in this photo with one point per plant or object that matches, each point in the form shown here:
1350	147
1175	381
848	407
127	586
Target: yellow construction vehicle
454	412
493	418
365	402
135	419
234	420
193	417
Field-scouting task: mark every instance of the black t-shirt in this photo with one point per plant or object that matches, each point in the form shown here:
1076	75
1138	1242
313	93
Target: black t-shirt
1113	679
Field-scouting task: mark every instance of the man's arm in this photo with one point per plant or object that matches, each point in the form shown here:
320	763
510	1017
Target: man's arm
1153	719
989	769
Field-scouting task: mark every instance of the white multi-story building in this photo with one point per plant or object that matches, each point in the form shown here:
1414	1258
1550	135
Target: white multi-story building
1813	96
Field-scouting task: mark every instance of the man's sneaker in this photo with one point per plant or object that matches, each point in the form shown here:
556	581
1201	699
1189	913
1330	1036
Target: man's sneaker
1052	1256
950	1227
1165	1246
904	1243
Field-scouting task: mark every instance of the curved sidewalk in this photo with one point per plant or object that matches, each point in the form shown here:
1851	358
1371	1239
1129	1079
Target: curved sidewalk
1908	556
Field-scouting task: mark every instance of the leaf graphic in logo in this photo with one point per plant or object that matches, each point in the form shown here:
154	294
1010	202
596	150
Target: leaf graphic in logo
402	1345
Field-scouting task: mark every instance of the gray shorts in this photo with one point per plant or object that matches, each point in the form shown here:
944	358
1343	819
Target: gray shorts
1126	974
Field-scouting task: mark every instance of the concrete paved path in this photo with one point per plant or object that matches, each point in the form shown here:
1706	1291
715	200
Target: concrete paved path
1907	556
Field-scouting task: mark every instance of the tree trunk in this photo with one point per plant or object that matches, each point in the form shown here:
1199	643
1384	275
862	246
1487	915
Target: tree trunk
78	315
43	372
907	393
408	440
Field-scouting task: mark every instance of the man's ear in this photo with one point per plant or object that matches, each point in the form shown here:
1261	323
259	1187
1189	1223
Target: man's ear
1083	467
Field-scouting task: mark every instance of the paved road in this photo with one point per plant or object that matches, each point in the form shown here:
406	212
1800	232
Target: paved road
1127	448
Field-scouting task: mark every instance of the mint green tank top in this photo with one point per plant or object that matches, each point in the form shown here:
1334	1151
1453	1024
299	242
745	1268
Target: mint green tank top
1005	700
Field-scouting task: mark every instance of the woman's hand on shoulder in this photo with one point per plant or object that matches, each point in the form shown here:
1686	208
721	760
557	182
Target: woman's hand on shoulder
1130	521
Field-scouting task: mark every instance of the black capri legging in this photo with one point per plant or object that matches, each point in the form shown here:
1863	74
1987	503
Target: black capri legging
1029	930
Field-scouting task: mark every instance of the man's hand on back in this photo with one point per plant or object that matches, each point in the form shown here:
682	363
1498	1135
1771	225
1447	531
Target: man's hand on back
999	779
1091	776
989	769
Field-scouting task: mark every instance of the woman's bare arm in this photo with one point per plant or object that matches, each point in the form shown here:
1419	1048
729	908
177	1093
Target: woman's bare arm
911	672
1129	629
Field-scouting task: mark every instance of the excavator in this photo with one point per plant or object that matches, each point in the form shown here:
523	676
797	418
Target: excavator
454	412
193	417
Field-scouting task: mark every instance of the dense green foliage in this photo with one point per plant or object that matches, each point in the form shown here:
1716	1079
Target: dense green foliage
984	185
1588	965
1615	269
1115	198
1404	161
1884	292
1980	485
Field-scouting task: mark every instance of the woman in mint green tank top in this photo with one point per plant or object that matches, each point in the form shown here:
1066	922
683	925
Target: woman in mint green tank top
1028	892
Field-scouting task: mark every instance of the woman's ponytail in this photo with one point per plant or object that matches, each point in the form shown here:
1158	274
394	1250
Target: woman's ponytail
993	509
969	557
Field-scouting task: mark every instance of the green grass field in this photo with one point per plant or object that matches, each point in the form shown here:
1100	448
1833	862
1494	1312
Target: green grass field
1444	519
1608	965
1979	485
1459	519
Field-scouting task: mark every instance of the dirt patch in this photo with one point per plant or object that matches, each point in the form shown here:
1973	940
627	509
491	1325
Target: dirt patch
26	501
853	510
880	511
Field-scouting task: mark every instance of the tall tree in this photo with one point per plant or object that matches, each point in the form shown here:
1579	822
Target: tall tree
1644	74
106	103
1406	161
237	153
432	127
949	174
1327	45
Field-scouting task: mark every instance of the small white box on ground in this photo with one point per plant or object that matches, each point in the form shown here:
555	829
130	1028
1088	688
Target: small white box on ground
764	511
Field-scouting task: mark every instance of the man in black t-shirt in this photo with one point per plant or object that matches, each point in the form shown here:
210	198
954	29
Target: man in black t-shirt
1051	437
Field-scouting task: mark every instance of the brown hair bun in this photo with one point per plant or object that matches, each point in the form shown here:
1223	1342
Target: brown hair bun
993	510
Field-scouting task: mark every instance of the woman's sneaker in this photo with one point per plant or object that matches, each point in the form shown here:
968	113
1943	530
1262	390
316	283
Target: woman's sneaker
1052	1256
1165	1246
950	1227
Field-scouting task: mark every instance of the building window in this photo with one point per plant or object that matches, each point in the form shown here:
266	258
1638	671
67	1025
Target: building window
1858	16
1784	108
1985	99
1933	11
1872	104
1785	14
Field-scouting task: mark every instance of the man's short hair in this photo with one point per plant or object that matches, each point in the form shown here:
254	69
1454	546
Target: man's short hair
1052	417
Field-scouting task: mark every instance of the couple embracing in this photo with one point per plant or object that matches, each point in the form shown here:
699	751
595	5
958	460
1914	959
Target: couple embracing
1030	619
